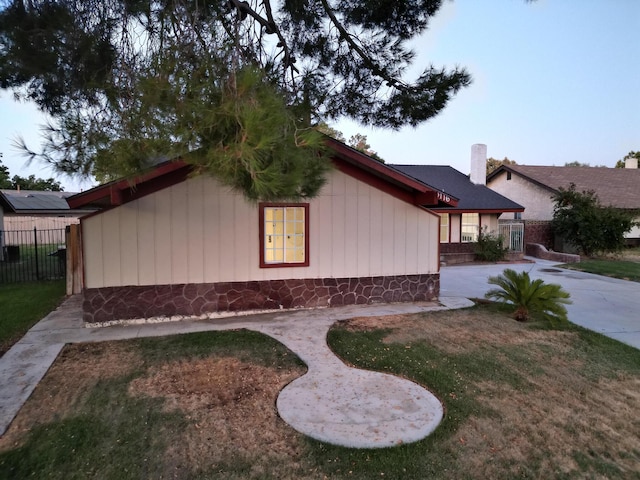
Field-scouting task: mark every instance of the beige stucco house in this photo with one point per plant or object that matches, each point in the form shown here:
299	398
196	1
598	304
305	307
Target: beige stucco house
172	244
534	186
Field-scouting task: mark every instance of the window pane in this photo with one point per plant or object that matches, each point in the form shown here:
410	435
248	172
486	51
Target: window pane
444	228
470	227
284	234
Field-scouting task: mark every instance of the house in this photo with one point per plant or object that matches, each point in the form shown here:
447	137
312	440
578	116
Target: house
534	186
23	210
478	207
169	243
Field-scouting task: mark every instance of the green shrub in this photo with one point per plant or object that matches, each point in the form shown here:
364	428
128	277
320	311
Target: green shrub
530	297
490	247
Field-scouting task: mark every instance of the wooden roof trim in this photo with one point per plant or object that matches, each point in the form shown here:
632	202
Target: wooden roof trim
121	191
348	160
421	193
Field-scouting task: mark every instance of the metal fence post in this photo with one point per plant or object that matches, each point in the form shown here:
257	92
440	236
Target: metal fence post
35	244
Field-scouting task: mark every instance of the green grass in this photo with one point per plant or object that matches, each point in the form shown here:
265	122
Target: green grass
24	304
34	264
112	434
611	268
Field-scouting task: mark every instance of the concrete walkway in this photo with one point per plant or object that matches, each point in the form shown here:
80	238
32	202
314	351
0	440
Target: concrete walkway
331	402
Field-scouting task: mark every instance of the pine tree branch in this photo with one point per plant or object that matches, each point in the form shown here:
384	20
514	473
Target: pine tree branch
269	26
376	69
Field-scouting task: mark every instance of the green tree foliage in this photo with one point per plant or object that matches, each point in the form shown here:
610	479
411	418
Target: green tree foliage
575	163
631	154
584	222
26	183
229	85
494	164
357	141
360	143
5	181
530	297
33	183
330	131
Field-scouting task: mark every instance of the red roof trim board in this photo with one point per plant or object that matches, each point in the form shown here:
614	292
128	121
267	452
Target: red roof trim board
345	159
122	191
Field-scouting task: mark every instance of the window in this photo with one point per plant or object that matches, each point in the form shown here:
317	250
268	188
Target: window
469	228
283	235
508	175
444	228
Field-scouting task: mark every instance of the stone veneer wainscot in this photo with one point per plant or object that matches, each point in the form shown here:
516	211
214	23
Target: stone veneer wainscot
133	302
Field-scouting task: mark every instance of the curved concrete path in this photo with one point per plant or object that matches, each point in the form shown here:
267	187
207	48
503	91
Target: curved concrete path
331	402
347	406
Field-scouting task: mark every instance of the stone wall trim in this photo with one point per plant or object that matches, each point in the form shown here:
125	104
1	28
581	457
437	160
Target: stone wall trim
109	304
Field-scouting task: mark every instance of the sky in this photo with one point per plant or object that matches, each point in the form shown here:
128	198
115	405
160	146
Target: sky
554	81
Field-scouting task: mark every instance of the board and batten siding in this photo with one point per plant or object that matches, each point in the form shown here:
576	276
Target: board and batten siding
201	232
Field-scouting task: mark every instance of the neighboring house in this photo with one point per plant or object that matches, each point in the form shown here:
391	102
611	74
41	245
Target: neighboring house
478	207
534	186
169	243
23	210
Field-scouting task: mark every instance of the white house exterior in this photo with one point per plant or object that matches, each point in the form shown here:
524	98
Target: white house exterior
534	186
193	246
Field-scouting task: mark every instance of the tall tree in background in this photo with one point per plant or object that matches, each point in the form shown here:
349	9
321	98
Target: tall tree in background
621	163
233	87
494	164
360	143
580	218
26	183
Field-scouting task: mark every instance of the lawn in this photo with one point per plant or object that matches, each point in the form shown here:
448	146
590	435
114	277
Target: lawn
24	304
33	264
626	270
521	401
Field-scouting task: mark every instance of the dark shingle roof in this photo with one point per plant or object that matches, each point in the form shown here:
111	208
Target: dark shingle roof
450	181
25	201
617	187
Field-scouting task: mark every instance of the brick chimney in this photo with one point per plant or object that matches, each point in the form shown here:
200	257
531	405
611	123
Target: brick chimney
478	164
630	162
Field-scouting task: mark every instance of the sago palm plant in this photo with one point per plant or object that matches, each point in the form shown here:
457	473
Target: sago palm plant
530	297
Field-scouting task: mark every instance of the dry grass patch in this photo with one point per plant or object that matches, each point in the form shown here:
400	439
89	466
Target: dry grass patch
63	390
231	408
520	401
457	331
546	408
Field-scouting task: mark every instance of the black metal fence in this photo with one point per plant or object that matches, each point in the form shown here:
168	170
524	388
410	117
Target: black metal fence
32	255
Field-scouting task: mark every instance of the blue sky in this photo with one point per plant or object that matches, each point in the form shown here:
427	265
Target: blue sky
554	81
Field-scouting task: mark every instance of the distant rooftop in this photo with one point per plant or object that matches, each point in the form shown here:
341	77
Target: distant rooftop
450	181
34	201
617	187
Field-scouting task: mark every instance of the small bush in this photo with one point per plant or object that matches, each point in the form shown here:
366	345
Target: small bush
530	297
490	247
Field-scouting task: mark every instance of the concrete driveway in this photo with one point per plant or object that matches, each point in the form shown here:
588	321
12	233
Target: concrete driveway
605	305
